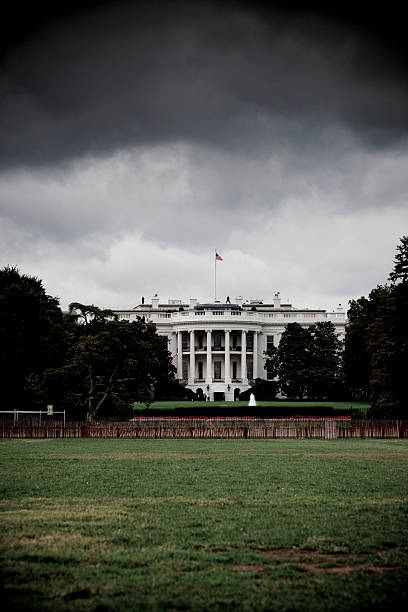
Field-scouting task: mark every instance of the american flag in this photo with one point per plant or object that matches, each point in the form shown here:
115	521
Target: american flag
218	257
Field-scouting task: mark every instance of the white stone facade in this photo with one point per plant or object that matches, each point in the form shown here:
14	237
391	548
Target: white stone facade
219	348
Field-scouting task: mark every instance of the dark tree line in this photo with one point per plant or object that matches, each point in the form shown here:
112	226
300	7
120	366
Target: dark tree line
90	363
308	362
376	352
373	364
85	361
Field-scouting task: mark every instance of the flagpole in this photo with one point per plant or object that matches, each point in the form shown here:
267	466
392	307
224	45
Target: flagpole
215	275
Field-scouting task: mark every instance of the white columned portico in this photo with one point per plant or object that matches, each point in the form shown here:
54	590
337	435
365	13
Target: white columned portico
192	359
179	356
243	358
208	378
227	357
255	356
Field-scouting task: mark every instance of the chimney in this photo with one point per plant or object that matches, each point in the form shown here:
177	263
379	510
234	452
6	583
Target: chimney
277	300
239	300
155	301
193	302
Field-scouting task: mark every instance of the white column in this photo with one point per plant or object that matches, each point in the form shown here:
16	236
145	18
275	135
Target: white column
208	378
255	355
243	358
227	357
173	349
192	359
179	356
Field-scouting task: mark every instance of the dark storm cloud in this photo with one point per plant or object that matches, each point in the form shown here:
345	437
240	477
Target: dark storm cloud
228	75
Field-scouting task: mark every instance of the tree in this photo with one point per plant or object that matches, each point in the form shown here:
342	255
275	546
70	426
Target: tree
293	360
263	390
325	372
387	340
91	316
113	363
400	271
376	358
32	338
308	361
358	354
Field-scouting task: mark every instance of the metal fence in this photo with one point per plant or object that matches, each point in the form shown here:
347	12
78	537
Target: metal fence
248	428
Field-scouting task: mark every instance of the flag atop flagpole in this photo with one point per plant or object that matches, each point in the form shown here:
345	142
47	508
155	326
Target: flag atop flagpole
217	258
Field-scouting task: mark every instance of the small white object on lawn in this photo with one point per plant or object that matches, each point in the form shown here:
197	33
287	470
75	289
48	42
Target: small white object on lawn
252	400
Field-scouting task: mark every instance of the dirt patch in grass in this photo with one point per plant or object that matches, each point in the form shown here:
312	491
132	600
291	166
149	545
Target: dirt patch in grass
315	568
333	563
347	569
301	553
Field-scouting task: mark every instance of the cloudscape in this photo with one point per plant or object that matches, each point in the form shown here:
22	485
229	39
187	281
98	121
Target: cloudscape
138	137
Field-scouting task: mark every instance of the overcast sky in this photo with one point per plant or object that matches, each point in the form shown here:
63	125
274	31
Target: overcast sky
137	138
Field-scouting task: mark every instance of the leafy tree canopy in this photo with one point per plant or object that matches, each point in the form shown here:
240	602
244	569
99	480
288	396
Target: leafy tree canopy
91	316
308	361
376	357
400	271
112	363
361	315
31	337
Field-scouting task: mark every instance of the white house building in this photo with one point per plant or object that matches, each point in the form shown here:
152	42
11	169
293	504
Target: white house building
219	348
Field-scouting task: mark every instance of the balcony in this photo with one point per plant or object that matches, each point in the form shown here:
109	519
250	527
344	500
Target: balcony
236	380
199	380
218	348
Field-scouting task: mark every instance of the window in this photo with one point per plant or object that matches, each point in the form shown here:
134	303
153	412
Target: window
217	370
185	370
217	340
234	341
234	369
269	342
184	341
250	341
200	341
250	369
200	370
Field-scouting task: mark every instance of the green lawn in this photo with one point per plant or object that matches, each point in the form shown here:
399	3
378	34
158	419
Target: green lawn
204	525
278	404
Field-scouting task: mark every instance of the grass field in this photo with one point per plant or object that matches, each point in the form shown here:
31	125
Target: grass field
274	405
204	525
